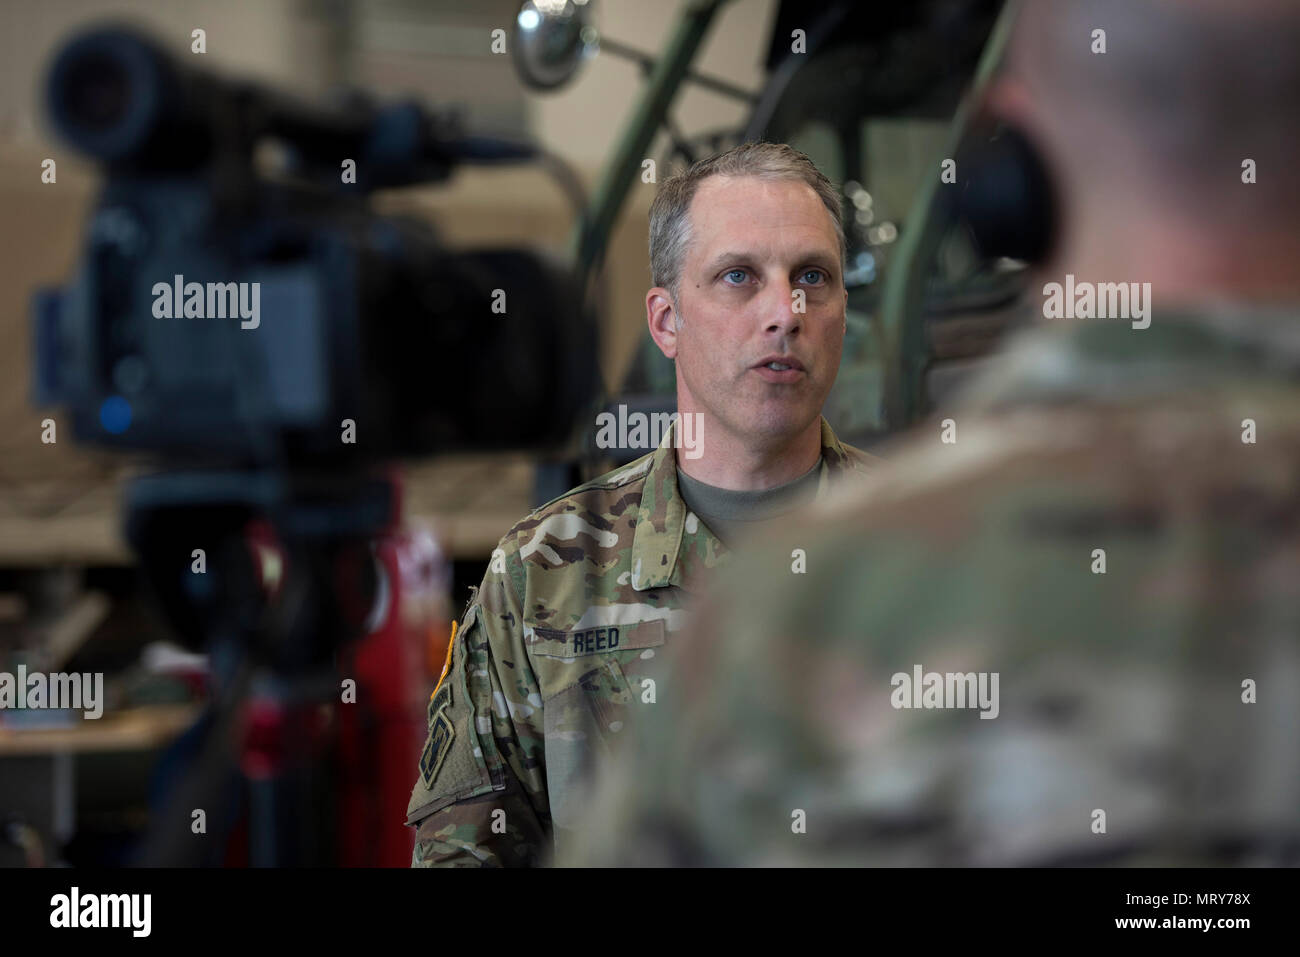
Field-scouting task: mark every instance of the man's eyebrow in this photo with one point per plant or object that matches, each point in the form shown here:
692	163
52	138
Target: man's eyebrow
819	257
815	257
718	261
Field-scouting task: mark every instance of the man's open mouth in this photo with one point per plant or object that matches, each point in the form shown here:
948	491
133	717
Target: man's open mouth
780	370
779	364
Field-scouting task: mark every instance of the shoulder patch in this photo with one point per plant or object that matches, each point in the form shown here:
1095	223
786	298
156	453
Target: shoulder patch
451	767
440	699
441	733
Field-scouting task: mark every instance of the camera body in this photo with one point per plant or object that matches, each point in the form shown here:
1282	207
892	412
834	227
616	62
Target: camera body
224	315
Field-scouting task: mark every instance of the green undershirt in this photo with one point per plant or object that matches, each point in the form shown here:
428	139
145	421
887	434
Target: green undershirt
730	513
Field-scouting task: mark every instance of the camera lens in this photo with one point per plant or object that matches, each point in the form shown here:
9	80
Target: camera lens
96	93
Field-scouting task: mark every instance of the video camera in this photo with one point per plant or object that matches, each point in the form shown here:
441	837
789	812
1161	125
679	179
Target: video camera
243	315
238	300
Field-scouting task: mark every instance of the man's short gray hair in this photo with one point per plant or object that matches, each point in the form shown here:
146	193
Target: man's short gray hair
670	231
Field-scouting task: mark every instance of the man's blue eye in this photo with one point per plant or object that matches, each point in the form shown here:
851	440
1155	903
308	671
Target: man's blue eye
735	272
816	273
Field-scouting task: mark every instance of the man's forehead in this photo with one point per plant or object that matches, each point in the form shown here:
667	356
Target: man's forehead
758	215
740	194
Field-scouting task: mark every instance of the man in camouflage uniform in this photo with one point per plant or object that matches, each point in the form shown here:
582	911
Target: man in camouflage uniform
557	654
1114	534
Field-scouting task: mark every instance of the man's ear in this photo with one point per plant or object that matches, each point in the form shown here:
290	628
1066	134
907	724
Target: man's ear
661	314
845	332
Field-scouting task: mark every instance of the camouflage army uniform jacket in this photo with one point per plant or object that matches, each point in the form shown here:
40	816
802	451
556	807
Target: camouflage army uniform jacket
1114	535
556	652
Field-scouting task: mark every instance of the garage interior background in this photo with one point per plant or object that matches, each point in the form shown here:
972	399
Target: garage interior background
67	585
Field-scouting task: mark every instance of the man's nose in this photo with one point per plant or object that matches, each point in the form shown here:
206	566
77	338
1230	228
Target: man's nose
779	305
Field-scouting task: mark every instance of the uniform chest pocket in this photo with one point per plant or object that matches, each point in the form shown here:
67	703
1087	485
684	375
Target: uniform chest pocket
583	676
592	659
590	681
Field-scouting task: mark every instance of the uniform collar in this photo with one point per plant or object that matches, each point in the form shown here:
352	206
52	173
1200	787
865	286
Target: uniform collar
662	520
835	458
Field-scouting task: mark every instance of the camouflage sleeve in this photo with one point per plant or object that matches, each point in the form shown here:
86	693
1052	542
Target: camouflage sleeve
480	797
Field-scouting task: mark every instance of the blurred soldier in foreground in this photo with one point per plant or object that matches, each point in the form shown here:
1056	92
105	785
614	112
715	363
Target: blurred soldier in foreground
556	654
1071	635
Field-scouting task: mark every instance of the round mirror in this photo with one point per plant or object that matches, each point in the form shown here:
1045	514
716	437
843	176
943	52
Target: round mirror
551	39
